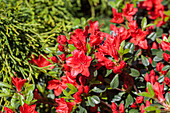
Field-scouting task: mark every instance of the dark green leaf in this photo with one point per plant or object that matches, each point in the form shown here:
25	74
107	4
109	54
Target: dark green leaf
98	90
95	73
72	88
95	99
134	72
166	68
131	47
129	101
115	82
150	108
168	52
152	36
145	60
157	59
108	72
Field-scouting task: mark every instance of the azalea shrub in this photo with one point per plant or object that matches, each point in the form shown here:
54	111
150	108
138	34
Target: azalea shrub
91	71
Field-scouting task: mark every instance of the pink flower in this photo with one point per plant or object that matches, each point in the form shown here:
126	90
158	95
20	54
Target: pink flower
18	82
79	63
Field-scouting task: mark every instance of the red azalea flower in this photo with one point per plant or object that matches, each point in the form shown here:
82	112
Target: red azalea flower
138	38
63	106
139	99
159	91
159	67
18	82
7	110
118	69
27	109
167	81
129	11
154	45
42	62
62	39
57	85
117	17
93	26
78	39
133	26
166	57
79	63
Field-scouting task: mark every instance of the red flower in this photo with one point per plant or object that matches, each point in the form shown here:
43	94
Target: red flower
63	106
61	48
118	69
133	26
7	110
27	109
159	67
79	63
159	91
139	99
166	57
142	108
134	106
138	38
147	103
121	108
78	39
62	39
57	85
154	45
18	83
93	27
129	11
114	107
117	17
167	81
42	62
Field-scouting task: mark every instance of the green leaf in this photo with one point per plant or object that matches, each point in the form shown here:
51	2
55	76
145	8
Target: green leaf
29	97
145	94
2	84
126	51
95	99
166	68
112	4
95	73
159	32
129	101
134	72
157	59
145	60
131	47
98	90
90	102
21	99
72	88
115	82
108	72
71	47
150	108
13	100
133	111
4	95
152	36
59	53
88	49
168	52
167	97
150	89
168	74
144	22
81	110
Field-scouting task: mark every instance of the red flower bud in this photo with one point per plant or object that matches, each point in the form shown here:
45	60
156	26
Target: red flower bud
121	108
154	45
114	107
63	57
139	99
142	108
18	82
62	39
134	106
61	48
147	103
86	89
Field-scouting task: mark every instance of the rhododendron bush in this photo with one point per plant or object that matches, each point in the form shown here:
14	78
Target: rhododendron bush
91	71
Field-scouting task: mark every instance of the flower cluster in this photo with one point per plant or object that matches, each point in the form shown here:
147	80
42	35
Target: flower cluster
92	71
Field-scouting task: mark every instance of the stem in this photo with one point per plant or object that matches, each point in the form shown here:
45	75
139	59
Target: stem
108	105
